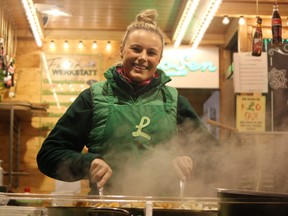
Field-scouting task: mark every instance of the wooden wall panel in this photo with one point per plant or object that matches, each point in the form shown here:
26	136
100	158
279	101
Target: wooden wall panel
29	87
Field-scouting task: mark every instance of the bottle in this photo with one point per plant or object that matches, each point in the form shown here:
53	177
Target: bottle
276	25
257	40
1	173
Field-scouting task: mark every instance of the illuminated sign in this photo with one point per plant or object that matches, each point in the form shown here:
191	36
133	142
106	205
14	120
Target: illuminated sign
191	69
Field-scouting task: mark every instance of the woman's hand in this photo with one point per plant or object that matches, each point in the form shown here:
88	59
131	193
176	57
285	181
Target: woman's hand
183	166
100	172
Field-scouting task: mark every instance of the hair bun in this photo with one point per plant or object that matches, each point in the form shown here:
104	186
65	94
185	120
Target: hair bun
148	16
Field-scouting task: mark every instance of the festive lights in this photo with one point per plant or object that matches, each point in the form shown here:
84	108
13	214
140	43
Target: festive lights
225	20
108	46
80	45
33	21
204	22
241	20
185	20
94	45
66	44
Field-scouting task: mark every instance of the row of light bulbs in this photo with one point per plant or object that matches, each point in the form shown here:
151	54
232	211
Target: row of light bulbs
80	45
226	20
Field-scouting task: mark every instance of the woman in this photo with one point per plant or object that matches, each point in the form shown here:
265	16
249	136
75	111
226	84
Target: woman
129	124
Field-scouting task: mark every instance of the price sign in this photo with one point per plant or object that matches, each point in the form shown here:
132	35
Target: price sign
250	113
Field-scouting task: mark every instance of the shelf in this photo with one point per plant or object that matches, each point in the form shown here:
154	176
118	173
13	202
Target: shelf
15	112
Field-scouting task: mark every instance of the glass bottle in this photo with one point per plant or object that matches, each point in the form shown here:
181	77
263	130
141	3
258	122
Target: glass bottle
276	24
257	40
1	173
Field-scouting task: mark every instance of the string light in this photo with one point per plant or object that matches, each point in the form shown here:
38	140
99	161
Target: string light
80	45
184	22
94	45
225	20
241	20
66	44
52	44
108	46
33	21
204	22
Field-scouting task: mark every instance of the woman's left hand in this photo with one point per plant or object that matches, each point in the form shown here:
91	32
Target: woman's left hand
183	166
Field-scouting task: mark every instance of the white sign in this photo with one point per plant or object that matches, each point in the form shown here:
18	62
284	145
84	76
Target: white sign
250	73
191	68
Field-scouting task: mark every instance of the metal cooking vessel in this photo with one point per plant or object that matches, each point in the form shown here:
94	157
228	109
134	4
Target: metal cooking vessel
70	205
252	203
85	211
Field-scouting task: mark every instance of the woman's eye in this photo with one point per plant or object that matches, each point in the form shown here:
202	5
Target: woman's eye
152	53
136	49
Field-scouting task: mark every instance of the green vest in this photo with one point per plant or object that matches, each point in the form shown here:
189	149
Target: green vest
127	129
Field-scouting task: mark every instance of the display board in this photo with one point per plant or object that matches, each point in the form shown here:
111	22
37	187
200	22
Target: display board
278	86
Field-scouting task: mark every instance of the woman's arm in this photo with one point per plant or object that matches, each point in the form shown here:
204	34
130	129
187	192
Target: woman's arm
61	156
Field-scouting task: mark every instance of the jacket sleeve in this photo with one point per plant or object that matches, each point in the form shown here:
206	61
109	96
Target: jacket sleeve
60	155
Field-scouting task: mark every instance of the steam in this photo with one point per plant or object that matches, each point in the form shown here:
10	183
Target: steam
244	161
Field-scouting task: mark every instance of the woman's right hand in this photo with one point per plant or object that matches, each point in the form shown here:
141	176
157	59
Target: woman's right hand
100	172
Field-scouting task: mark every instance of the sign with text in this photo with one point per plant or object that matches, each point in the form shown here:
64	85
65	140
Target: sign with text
250	113
191	68
250	73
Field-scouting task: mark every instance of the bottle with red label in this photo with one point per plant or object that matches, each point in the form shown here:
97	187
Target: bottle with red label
276	25
257	40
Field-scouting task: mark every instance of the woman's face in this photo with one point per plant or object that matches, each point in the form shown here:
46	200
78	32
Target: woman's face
141	54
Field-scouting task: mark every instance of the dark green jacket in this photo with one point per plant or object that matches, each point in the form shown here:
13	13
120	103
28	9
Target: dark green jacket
60	156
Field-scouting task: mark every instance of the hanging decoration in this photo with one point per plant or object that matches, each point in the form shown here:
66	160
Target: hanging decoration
8	41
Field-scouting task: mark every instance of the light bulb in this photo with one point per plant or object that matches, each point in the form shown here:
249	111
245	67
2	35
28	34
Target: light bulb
80	45
52	44
108	46
225	20
94	45
66	45
241	20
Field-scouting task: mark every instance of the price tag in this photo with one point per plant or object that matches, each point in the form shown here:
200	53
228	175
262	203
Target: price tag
250	113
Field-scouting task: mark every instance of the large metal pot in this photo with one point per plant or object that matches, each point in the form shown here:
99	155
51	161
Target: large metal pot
85	211
252	203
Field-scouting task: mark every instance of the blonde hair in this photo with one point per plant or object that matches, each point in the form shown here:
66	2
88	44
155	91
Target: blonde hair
145	20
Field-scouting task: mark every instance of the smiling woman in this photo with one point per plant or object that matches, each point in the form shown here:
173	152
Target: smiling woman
130	124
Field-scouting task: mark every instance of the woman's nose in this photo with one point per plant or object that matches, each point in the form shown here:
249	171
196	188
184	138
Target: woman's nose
143	55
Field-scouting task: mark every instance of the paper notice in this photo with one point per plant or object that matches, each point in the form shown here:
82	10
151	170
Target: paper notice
250	73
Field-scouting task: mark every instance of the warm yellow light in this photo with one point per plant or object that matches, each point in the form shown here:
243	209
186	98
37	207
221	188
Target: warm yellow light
52	44
66	45
225	20
108	46
80	45
241	20
94	45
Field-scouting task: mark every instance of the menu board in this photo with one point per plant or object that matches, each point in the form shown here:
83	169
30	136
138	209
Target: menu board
250	73
278	85
251	113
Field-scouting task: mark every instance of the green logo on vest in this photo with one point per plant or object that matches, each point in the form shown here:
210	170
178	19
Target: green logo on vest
145	121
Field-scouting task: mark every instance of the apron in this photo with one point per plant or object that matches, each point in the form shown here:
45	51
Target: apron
136	141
